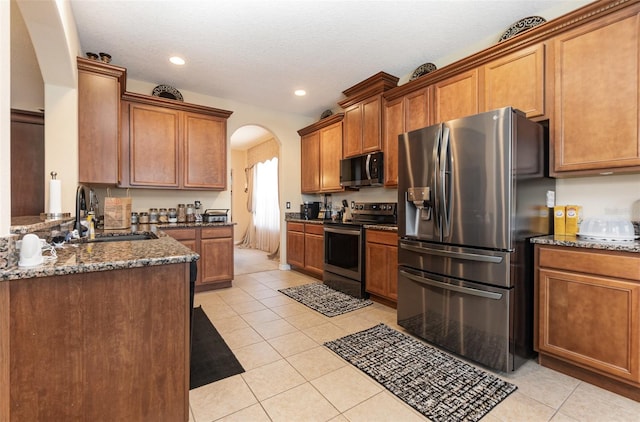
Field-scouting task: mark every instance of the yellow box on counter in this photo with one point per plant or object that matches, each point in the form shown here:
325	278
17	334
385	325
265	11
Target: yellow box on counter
559	224
573	218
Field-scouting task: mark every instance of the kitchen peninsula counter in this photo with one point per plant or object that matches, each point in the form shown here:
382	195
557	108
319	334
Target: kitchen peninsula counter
101	333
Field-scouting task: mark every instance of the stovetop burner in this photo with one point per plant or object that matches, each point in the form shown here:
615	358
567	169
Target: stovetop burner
383	213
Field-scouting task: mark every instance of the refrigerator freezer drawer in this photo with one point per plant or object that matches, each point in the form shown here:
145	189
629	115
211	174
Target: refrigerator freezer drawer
478	265
469	319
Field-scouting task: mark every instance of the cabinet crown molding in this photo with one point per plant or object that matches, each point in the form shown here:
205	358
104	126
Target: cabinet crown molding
97	67
327	121
176	105
376	84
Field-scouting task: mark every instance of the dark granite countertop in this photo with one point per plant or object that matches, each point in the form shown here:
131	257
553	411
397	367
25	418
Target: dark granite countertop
30	224
578	242
187	225
302	220
106	256
383	227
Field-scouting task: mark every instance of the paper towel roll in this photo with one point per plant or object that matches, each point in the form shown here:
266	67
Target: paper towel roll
55	196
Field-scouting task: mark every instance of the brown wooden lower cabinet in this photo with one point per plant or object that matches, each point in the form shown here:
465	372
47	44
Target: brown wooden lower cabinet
305	247
216	251
99	346
381	257
295	244
214	244
588	315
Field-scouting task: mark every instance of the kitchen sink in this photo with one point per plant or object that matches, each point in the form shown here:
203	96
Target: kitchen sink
121	237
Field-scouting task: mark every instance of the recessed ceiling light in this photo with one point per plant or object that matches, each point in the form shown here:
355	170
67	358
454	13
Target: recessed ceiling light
177	60
300	92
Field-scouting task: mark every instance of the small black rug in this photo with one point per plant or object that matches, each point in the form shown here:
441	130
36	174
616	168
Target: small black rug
434	383
324	299
211	358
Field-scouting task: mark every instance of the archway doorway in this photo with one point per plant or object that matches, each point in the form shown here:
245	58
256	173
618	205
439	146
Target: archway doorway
255	153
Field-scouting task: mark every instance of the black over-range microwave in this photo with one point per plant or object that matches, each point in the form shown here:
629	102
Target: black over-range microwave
362	170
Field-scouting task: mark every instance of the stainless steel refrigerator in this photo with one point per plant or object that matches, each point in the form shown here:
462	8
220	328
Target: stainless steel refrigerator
471	193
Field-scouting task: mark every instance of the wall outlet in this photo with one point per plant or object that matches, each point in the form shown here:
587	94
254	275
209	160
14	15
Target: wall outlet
288	205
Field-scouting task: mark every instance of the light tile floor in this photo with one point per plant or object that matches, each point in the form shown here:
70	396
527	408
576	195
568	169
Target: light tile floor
291	376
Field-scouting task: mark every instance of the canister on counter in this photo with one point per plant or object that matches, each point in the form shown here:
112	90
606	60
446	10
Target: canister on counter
182	213
163	216
153	215
143	218
134	218
172	215
191	216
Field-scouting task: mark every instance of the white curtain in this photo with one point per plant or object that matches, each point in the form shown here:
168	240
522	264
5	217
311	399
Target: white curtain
266	208
262	188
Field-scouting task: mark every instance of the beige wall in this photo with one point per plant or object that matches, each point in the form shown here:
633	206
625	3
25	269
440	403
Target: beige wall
27	86
239	212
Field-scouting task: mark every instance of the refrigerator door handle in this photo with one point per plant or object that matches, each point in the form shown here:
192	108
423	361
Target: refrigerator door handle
452	287
444	161
436	196
450	254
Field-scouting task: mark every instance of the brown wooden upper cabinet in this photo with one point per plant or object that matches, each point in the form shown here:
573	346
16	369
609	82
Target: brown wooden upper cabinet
310	162
362	125
172	145
595	123
456	96
320	154
362	128
403	114
100	86
516	80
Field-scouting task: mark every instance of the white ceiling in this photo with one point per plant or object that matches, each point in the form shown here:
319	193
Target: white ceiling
259	52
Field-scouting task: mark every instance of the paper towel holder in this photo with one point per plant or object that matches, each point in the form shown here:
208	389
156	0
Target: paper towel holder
44	216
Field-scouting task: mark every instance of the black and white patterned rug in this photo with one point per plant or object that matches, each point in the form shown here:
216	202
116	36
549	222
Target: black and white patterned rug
324	299
434	383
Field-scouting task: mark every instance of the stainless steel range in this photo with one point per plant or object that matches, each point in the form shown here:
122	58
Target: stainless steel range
344	259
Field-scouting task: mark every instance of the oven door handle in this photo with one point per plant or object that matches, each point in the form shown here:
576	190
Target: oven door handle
453	287
451	254
342	231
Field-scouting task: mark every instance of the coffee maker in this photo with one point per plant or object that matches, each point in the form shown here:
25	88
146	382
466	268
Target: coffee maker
310	210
